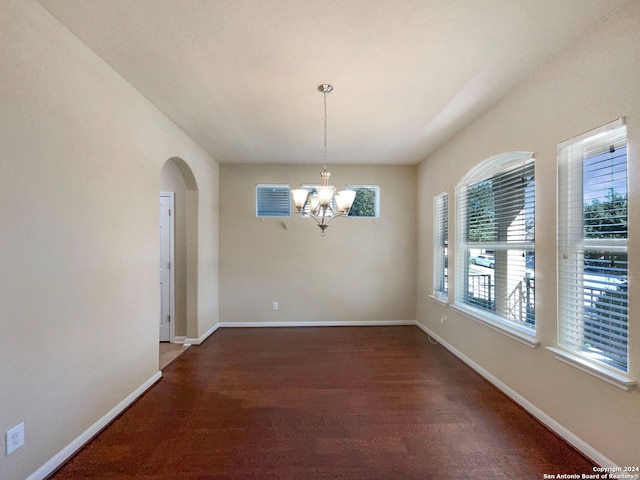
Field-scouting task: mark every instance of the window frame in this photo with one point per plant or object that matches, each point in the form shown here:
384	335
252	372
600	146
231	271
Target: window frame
261	187
440	291
573	243
493	169
376	190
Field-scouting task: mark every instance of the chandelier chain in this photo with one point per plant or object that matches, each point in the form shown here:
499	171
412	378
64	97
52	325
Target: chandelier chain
324	95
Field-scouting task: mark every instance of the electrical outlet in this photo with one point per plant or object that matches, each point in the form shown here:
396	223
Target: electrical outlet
275	305
15	438
443	320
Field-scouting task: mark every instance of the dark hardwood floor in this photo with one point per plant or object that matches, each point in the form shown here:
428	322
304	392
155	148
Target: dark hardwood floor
323	403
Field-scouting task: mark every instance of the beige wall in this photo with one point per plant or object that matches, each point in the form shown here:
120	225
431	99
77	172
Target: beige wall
590	85
362	270
81	153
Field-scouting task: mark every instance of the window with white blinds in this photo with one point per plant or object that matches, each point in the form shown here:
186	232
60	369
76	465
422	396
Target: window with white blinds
495	252
440	245
592	246
273	200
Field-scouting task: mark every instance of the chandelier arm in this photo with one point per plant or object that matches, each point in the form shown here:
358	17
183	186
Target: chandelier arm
315	217
324	215
335	216
320	218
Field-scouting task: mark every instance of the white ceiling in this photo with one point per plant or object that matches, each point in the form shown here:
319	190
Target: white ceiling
240	76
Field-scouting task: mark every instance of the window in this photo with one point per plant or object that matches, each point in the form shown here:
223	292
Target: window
592	246
440	246
273	201
367	201
495	255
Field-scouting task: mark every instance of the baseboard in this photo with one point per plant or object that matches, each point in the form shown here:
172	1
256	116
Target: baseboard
354	323
542	417
203	337
179	339
64	454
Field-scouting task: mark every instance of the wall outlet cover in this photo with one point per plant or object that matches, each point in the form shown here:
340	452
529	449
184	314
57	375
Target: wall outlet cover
15	438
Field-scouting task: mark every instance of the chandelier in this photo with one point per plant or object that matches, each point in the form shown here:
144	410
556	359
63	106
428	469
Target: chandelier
323	203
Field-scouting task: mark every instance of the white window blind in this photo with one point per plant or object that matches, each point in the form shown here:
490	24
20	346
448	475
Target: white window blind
592	245
495	253
440	245
273	200
367	201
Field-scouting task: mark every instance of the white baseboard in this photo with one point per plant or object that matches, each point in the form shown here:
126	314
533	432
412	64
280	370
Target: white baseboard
542	417
203	337
179	339
64	454
354	323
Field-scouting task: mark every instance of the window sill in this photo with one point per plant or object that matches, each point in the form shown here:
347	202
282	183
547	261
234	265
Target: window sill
441	299
617	379
514	332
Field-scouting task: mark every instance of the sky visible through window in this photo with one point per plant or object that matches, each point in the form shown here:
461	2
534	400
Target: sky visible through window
605	173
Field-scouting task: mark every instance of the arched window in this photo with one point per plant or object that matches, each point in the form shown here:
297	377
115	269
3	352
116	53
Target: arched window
495	252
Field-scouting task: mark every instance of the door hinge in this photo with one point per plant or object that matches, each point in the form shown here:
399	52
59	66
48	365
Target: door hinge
168	318
169	212
168	265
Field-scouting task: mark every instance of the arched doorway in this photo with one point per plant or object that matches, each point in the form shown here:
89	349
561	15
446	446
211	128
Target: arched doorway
177	179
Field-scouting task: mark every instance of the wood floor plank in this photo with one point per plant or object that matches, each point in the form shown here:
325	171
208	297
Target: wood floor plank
322	403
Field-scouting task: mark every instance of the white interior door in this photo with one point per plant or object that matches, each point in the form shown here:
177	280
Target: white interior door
166	249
